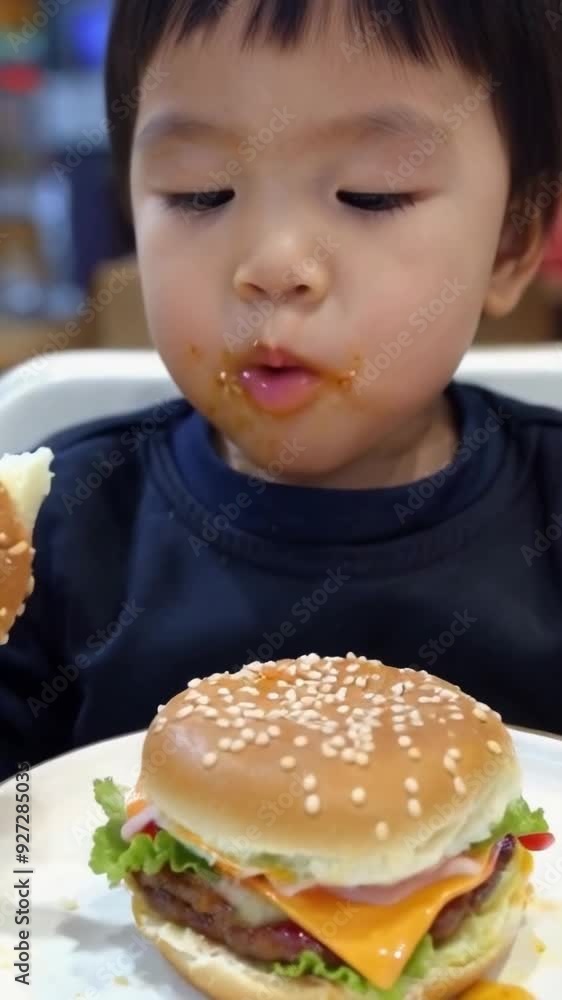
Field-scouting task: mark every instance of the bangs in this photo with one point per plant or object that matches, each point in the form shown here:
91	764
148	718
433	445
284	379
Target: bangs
513	43
422	30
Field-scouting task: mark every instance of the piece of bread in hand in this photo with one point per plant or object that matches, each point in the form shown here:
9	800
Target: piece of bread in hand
25	481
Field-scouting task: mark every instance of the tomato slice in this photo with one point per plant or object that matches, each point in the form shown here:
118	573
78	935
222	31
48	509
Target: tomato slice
537	841
151	829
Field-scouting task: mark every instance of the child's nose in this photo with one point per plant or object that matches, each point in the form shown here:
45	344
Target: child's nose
281	275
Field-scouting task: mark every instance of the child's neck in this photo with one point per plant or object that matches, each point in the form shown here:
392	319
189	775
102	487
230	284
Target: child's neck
427	445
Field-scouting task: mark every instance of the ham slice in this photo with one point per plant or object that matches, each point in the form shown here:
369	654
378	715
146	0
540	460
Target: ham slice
386	895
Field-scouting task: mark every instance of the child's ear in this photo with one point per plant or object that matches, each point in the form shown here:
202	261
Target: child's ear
518	260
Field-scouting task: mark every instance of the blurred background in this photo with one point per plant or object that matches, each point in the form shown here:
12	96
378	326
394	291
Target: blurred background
62	234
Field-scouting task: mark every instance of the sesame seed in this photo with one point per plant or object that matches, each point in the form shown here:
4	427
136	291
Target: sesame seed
225	743
288	763
210	713
312	805
348	755
361	682
450	764
238	745
414	753
400	727
247	734
362	759
414	808
460	787
223	724
18	549
262	740
325	688
457	716
3	612
182	713
404	741
273	696
483	707
274	731
353	667
412	786
494	747
233	710
338	741
359	796
480	715
379	699
194	683
329	751
202	699
382	831
159	725
343	709
209	760
455	754
310	783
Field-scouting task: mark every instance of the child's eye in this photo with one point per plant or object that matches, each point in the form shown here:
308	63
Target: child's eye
376	202
199	201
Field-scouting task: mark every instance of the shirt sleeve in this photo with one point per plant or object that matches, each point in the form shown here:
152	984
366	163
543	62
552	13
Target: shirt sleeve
37	701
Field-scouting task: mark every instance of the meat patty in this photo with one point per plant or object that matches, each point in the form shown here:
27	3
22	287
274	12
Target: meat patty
190	901
452	916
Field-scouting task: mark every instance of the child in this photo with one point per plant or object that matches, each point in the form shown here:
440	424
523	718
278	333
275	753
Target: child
326	199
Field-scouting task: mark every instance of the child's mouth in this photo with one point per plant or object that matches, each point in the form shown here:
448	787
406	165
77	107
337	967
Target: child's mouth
278	382
280	390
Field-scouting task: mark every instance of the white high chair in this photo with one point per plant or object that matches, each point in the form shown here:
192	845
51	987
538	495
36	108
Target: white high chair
52	392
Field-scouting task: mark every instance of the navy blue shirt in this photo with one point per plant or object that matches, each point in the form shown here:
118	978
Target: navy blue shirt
156	563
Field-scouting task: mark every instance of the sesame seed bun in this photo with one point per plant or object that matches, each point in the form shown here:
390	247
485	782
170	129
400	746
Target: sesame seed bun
347	771
24	483
474	953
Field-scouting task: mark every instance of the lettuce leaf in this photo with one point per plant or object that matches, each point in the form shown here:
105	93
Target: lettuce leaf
309	964
115	857
520	821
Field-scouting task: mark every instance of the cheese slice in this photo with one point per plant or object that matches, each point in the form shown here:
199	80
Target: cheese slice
375	940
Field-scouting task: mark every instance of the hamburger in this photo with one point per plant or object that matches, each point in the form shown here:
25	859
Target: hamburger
25	481
323	828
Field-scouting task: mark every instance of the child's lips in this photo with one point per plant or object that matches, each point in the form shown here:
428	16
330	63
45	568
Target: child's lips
280	389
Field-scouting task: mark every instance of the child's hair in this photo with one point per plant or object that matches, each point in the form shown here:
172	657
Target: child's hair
516	43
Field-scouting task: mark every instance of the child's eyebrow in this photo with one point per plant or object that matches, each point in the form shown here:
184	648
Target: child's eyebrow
398	121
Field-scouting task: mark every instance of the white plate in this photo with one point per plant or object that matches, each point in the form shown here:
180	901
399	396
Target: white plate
92	951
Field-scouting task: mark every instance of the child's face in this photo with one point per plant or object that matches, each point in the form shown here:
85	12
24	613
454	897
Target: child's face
288	262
